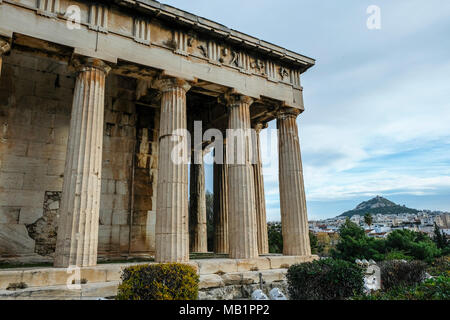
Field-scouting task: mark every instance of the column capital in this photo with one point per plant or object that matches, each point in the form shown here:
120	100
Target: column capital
4	46
81	63
285	112
235	99
168	84
260	126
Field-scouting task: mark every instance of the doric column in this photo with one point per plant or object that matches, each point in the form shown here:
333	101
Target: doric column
197	205
4	48
221	206
241	186
172	225
263	241
294	219
79	214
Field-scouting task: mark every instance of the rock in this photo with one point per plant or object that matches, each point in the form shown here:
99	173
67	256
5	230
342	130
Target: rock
259	295
54	205
276	294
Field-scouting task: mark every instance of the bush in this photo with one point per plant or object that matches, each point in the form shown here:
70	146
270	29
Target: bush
415	244
397	273
325	279
397	255
171	281
432	289
440	267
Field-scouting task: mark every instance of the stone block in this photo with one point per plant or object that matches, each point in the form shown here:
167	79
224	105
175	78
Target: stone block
11	180
250	277
11	163
210	281
107	289
9	215
105	216
277	262
41	181
256	264
114	272
14	147
29	215
216	266
94	274
21	198
47	151
274	275
232	278
14	239
9	276
55	167
120	217
37	278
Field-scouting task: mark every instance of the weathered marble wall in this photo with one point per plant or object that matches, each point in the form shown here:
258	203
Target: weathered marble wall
35	106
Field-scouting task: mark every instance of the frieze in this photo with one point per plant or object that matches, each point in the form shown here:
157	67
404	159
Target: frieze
187	41
48	8
98	17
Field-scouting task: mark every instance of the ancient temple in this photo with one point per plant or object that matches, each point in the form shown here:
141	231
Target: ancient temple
95	96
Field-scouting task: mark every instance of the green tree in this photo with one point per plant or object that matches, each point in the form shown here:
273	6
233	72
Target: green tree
313	242
275	237
439	238
415	244
368	219
355	244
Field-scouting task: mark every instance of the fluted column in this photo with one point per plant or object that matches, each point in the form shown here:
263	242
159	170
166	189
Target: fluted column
241	186
263	241
197	205
79	214
221	207
4	48
294	219
172	229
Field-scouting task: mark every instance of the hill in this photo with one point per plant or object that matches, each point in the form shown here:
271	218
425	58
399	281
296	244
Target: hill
378	205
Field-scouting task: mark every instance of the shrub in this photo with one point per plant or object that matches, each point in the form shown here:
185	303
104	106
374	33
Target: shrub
415	244
397	273
397	255
171	281
325	279
440	267
432	289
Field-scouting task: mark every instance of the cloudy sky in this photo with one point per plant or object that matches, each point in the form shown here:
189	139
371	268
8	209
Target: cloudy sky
377	119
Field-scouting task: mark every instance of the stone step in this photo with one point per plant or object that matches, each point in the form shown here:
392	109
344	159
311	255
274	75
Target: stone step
44	277
92	291
236	285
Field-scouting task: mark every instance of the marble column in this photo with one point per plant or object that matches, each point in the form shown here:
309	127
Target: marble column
79	213
263	241
198	239
4	48
172	225
294	219
221	206
242	227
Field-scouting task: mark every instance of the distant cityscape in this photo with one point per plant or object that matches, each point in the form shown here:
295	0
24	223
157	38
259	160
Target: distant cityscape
383	224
